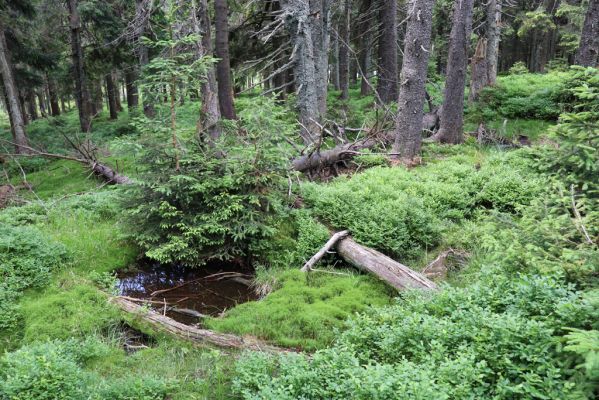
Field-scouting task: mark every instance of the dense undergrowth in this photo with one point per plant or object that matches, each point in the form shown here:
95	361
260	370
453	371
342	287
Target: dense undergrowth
517	321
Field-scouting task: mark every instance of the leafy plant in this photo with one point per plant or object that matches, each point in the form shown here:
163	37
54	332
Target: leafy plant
214	206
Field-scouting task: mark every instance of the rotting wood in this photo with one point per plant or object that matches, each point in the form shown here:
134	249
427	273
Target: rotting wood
345	151
385	268
438	268
328	245
193	334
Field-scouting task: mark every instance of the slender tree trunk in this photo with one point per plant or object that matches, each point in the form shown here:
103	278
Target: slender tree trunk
130	85
388	70
54	108
335	64
493	39
208	128
117	91
588	50
42	104
223	66
344	50
417	48
31	104
479	77
12	97
111	94
81	92
452	113
366	42
144	58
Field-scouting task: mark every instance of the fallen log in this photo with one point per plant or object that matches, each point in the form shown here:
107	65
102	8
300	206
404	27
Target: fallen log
385	268
328	245
191	333
346	151
107	173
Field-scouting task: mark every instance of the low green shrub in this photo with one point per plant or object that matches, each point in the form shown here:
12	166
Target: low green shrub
496	339
522	95
27	259
295	240
402	212
147	388
56	370
41	372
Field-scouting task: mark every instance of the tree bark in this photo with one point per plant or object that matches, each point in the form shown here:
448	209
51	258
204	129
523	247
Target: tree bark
320	25
111	94
344	50
117	92
208	128
81	93
412	92
42	103
479	70
223	66
588	50
131	87
31	104
335	63
143	52
12	97
366	42
493	39
371	261
52	93
387	78
452	114
302	24
321	253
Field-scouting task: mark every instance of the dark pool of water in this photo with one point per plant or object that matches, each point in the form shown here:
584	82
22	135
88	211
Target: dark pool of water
208	290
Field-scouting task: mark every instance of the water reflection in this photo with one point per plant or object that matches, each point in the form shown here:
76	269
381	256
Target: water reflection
187	293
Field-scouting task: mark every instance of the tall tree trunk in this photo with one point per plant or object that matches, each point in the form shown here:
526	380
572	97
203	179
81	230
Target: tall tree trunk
452	113
493	39
42	103
81	93
320	25
117	91
417	48
387	77
12	97
366	42
223	66
31	104
335	64
111	94
588	50
307	23
52	93
144	58
479	77
131	87
23	108
344	50
208	128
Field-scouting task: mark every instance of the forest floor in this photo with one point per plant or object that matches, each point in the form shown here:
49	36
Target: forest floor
79	211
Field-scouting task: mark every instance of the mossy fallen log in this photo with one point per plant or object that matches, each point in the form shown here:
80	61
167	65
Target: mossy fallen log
191	333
